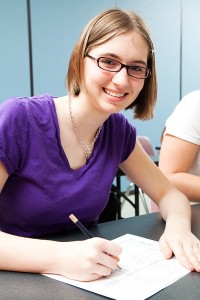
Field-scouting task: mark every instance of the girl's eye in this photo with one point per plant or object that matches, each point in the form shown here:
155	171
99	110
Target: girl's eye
136	68
108	61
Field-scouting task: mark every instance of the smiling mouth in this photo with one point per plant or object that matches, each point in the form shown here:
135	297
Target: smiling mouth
118	95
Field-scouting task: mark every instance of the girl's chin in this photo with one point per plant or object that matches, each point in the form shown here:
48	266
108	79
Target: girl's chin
112	108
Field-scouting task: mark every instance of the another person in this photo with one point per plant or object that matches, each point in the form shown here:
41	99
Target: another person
59	156
180	150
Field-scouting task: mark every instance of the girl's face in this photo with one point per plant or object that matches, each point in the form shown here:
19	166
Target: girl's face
113	91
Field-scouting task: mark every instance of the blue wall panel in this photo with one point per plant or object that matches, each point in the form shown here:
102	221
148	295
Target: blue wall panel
14	53
191	46
56	26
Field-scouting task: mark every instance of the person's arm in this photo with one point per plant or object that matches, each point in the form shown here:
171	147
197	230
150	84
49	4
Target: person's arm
3	176
176	158
174	207
41	256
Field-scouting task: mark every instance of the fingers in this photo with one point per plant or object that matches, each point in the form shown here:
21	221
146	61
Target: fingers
99	271
108	253
114	250
103	270
166	251
190	256
94	260
196	260
100	257
183	256
111	248
186	251
109	261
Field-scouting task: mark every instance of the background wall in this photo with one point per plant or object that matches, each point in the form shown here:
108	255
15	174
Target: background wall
190	46
55	27
14	54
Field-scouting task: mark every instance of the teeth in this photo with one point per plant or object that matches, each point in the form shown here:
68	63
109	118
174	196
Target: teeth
114	94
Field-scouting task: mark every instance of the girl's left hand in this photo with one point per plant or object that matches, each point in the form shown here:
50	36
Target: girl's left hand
184	245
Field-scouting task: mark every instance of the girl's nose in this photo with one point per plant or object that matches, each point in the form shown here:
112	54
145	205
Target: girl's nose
121	77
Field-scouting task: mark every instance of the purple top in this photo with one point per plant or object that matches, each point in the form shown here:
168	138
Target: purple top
42	190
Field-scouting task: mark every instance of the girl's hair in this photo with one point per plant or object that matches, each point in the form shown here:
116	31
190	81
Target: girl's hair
101	29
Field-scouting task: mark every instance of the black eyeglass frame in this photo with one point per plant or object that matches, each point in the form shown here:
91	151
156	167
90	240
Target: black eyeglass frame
148	71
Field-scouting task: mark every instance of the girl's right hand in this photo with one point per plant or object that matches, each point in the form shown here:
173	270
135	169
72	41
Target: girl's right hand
88	260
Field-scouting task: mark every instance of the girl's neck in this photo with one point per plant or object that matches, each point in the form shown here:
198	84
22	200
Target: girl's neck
87	119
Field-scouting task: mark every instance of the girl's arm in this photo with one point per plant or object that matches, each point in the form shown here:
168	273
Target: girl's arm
95	256
176	158
82	260
174	207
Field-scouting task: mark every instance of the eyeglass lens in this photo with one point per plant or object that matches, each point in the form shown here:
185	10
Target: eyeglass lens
113	65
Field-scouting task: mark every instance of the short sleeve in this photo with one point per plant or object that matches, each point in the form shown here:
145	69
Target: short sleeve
13	133
130	140
122	136
184	122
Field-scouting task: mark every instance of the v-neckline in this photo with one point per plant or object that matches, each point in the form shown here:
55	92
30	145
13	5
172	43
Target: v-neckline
76	173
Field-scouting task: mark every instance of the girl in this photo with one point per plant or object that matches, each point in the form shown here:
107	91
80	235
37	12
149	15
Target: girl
51	149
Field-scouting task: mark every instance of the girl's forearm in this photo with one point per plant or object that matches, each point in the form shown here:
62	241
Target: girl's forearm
26	254
175	207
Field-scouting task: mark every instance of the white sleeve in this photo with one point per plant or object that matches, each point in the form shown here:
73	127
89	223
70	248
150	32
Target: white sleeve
184	122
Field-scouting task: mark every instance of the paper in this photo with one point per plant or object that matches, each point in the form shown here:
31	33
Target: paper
144	271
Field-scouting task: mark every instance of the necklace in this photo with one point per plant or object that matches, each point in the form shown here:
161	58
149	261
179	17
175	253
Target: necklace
86	148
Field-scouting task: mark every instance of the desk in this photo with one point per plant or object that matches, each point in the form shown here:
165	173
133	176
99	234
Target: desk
26	286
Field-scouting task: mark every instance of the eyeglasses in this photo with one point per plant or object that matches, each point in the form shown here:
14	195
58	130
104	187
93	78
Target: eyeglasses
113	65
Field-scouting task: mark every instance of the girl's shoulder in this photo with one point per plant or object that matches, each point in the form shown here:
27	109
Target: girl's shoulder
19	103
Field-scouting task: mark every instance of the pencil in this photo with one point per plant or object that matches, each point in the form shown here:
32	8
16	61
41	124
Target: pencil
81	226
87	233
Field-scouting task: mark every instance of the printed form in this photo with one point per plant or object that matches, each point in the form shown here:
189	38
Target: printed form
144	271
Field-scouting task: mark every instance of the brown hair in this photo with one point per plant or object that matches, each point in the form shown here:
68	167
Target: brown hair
99	30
